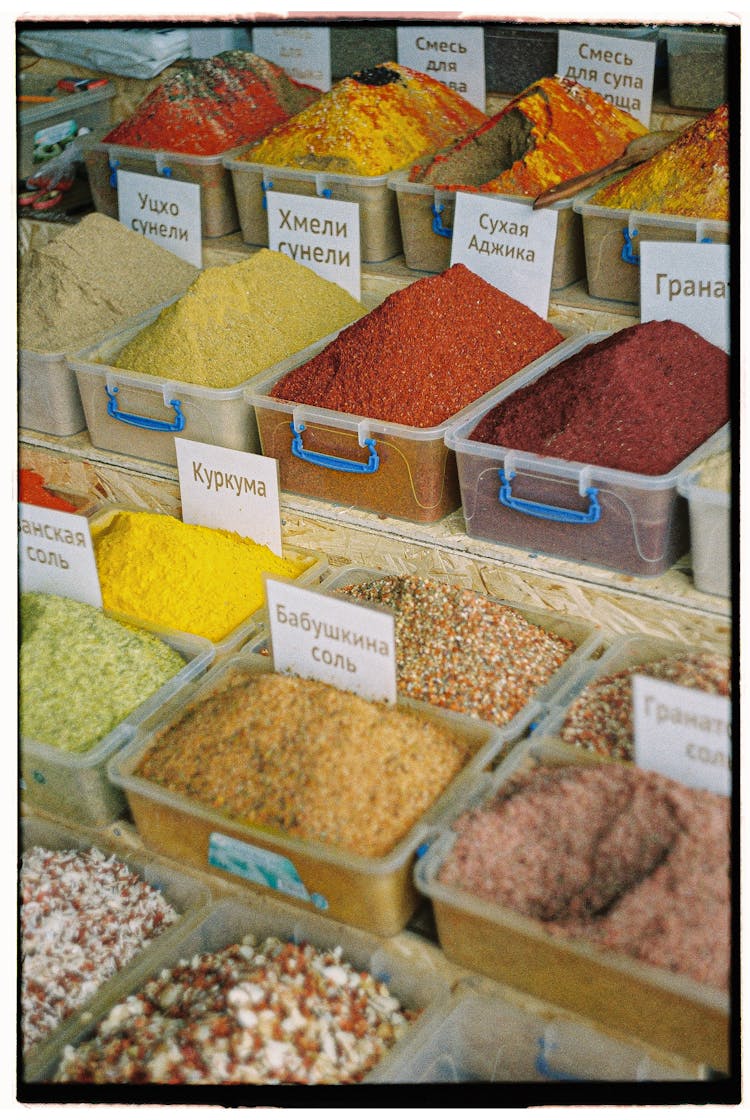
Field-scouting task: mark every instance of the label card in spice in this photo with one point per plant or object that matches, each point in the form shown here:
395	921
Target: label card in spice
56	555
454	55
620	69
321	233
689	283
304	52
268	869
332	640
226	489
683	733
508	244
166	211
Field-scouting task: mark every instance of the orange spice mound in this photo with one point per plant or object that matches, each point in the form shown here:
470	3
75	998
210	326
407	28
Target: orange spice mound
552	131
211	105
690	176
369	123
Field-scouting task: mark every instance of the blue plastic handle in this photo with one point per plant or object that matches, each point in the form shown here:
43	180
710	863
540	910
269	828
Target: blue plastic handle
549	513
113	165
326	192
266	187
437	224
166	172
144	421
546	1070
332	462
626	252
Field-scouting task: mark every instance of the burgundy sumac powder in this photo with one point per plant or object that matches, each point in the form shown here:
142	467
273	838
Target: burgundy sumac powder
425	353
640	400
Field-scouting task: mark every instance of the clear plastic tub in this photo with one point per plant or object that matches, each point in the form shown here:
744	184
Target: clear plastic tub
91	109
426	216
393	469
612	238
248	629
380	236
75	786
632	523
376	894
710	513
515	55
491	1036
671	1012
48	397
187	896
416	988
588	640
697	67
218	208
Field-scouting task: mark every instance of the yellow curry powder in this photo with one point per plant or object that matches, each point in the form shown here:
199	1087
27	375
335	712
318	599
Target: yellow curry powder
690	176
369	123
203	581
235	320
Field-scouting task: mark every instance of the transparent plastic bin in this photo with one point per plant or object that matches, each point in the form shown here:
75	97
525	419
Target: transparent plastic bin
517	55
397	470
91	109
187	896
376	894
380	236
426	216
612	239
587	638
48	397
697	67
710	513
629	522
487	1035
217	204
249	627
673	1013
416	988
75	786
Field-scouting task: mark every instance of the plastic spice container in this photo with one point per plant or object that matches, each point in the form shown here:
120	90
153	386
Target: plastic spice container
629	522
218	209
710	513
186	895
517	55
426	217
380	235
499	1036
376	894
91	109
48	397
671	1012
416	988
75	786
612	239
697	67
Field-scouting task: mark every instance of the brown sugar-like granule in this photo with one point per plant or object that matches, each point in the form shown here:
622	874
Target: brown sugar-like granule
624	858
308	759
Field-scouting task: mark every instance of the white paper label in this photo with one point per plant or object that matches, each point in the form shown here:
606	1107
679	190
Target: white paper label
321	233
683	733
451	54
333	640
226	489
56	555
508	244
688	282
621	70
166	211
304	52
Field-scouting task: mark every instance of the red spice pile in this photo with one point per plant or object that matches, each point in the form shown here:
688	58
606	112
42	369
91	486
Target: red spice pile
425	353
213	104
32	490
640	400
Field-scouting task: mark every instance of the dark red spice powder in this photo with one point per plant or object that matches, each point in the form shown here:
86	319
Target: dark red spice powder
32	490
640	400
423	354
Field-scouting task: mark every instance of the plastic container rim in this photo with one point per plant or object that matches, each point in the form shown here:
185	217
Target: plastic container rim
397	181
582	206
60	107
320	178
155	154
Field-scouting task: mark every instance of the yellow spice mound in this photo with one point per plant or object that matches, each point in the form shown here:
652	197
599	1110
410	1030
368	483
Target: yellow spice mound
236	320
183	577
369	123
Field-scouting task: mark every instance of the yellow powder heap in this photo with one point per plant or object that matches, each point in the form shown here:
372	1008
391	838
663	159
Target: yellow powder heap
235	320
203	581
370	123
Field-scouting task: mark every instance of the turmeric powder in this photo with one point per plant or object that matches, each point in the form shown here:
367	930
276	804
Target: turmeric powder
190	578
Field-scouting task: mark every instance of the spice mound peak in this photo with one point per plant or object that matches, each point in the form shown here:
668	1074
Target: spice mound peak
376	76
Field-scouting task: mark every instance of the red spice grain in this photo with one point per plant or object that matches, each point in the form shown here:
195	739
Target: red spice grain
33	490
423	354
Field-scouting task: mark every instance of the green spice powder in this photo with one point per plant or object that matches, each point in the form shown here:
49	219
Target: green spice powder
81	673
